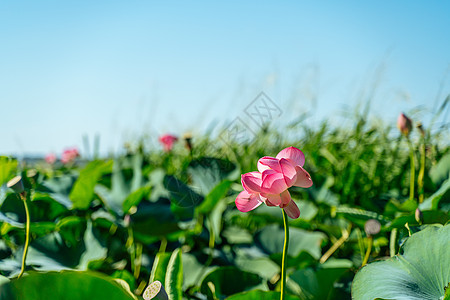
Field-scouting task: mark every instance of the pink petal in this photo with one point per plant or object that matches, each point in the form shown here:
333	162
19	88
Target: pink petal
294	155
267	163
273	182
246	202
289	172
303	178
273	199
50	158
251	182
292	210
264	199
167	141
285	198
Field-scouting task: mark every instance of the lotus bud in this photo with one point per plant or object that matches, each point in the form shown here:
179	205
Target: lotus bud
126	220
188	141
16	184
167	141
50	158
155	291
421	130
372	227
419	216
404	124
69	155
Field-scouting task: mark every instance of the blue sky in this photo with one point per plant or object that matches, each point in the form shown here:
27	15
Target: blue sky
123	69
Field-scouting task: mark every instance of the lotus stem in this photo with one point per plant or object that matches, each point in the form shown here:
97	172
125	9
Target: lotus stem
421	171
392	242
407	227
336	245
27	234
131	249
211	245
212	237
413	170
285	248
369	249
138	260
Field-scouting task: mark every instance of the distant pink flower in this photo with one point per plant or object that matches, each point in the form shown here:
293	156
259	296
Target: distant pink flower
404	124
270	185
167	141
69	155
50	158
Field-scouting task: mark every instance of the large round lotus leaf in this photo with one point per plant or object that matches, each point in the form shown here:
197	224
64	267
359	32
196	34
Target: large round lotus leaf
420	272
66	285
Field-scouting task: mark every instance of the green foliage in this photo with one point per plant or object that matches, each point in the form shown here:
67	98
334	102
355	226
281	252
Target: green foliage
8	167
146	216
226	281
214	196
208	172
272	236
441	171
174	276
419	272
83	190
318	283
168	269
66	285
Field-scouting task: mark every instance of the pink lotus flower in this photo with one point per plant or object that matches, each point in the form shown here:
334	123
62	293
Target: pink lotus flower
69	155
404	124
270	185
50	158
167	141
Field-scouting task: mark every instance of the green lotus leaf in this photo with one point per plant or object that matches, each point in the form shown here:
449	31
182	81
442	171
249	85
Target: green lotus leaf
420	272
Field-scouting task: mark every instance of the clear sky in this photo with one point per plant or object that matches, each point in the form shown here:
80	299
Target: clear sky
121	69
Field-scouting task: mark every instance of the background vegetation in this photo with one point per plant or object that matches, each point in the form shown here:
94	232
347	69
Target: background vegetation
170	216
